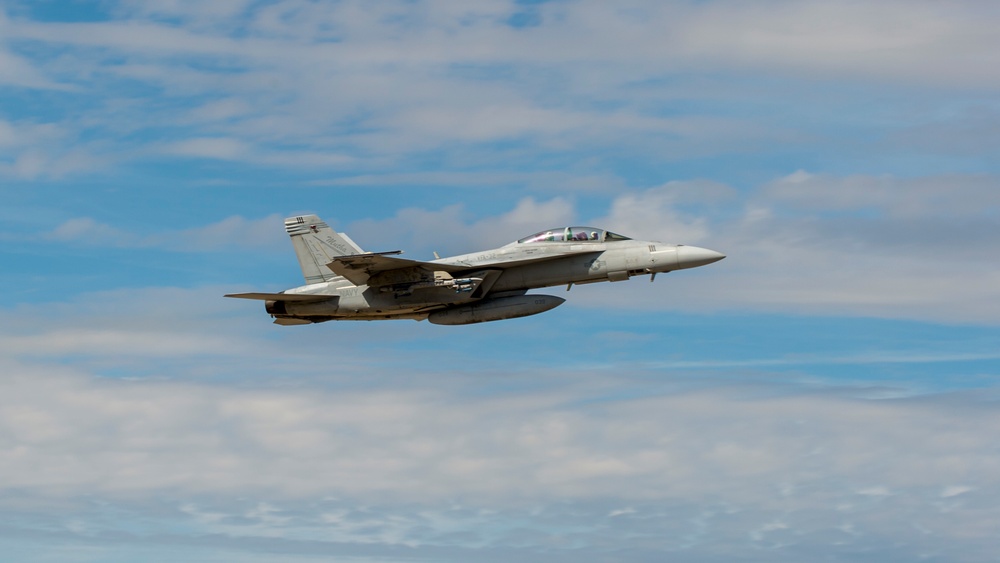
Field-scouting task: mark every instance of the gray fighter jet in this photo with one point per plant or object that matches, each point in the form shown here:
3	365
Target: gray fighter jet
345	283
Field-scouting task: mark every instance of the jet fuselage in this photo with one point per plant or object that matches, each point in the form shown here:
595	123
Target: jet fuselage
475	287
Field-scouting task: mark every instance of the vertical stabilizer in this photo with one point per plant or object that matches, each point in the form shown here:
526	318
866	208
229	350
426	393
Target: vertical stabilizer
316	244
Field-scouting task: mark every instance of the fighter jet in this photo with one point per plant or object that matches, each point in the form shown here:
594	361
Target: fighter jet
344	282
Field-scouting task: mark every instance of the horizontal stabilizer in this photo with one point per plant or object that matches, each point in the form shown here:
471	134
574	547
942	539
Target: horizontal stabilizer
301	297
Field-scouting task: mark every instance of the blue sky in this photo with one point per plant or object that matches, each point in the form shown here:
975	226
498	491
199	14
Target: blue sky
827	391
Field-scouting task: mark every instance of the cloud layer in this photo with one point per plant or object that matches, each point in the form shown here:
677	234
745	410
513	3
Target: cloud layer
174	418
352	86
711	472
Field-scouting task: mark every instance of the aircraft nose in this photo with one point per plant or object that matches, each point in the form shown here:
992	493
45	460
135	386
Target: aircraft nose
693	256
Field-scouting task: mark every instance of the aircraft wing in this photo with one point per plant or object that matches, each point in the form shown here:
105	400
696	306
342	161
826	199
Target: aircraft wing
357	268
502	263
305	297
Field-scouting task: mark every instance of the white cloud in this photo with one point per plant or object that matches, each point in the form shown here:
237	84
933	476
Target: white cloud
209	422
87	230
811	244
527	217
45	150
954	196
232	232
655	213
90	341
219	11
448	231
354	83
543	182
152	322
15	70
875	464
221	148
227	108
26	134
955	490
265	233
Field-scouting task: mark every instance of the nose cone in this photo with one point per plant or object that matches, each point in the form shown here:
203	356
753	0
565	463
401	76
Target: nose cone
693	256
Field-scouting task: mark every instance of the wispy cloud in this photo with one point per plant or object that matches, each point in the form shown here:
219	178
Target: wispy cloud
870	246
329	75
806	360
232	232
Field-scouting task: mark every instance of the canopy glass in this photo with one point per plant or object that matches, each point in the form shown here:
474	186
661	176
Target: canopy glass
573	234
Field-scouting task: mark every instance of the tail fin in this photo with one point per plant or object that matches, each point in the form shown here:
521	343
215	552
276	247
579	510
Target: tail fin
316	244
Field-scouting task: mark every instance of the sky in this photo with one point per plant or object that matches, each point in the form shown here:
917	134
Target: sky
829	391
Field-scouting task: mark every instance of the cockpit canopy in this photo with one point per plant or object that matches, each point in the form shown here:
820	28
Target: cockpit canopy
573	234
